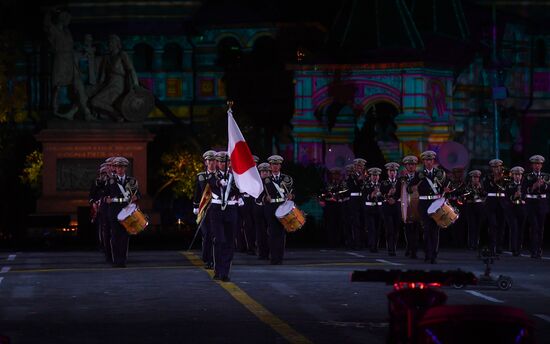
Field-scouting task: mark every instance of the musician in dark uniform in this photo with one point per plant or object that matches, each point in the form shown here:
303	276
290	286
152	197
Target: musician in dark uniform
516	215
496	205
536	203
474	205
356	204
412	228
279	188
225	216
391	208
430	184
206	229
260	222
246	238
331	201
121	191
373	199
458	229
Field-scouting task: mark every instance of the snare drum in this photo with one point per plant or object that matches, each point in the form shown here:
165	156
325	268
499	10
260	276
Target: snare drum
290	216
443	213
132	219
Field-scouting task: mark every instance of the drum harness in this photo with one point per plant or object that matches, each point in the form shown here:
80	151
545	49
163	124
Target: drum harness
125	199
434	189
281	193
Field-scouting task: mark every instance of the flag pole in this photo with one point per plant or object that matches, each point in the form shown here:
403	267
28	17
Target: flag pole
229	112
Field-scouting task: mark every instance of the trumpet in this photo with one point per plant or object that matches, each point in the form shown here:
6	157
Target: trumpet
471	192
516	198
502	178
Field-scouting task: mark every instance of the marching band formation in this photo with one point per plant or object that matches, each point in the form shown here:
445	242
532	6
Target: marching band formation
222	211
359	205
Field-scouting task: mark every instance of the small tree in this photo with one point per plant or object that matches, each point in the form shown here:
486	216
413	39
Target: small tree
32	172
179	170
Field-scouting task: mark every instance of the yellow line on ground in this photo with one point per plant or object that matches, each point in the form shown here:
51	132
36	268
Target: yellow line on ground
98	269
254	307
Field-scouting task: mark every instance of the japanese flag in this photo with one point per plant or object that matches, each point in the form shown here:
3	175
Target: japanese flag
245	172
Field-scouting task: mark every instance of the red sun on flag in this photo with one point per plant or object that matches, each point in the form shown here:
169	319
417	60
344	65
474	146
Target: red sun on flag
241	158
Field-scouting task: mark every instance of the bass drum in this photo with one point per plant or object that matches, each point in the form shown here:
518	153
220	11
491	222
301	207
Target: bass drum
443	213
409	204
290	216
133	220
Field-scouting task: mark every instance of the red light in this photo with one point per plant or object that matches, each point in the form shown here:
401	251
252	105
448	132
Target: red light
414	285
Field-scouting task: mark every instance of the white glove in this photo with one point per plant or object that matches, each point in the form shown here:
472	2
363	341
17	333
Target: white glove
195	211
241	202
223	182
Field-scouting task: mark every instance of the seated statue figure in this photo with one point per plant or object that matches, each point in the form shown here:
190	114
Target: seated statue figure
117	77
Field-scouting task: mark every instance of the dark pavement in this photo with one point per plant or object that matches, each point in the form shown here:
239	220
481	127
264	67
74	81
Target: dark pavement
165	297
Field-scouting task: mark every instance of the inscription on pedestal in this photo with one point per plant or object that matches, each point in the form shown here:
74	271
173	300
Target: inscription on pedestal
78	174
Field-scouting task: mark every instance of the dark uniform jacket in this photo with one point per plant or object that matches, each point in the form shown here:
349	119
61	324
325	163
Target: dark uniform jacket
285	183
499	187
510	191
529	181
118	199
333	192
354	184
200	183
437	178
387	185
219	190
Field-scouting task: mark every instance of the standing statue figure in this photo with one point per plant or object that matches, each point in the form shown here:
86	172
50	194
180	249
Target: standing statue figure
65	68
117	78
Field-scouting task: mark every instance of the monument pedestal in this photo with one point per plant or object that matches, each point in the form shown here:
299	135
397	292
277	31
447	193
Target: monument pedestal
72	154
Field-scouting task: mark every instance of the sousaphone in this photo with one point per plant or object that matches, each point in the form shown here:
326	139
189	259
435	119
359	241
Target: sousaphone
453	155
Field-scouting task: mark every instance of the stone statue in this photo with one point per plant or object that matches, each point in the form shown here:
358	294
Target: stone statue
88	53
65	71
117	78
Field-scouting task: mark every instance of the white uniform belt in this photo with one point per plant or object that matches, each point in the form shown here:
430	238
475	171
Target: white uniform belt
475	201
119	200
373	203
343	199
497	194
535	196
355	194
219	201
246	195
429	197
277	200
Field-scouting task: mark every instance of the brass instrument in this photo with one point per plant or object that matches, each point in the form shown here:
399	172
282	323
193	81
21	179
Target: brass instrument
377	193
471	193
391	192
515	198
502	178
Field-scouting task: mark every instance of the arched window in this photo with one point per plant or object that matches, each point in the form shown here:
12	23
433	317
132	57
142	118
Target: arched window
143	57
540	53
229	52
172	57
